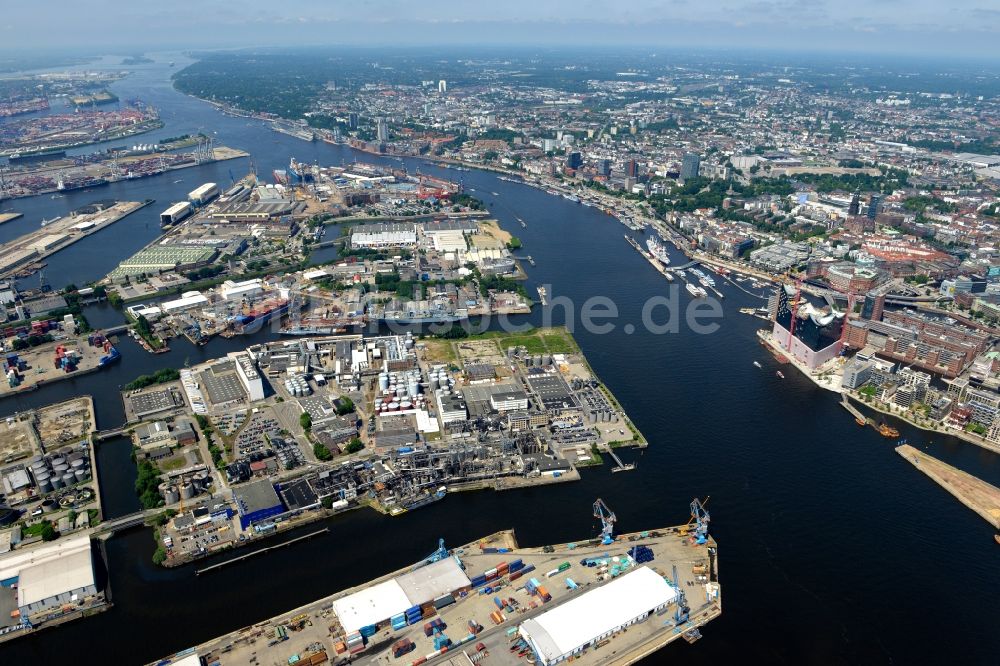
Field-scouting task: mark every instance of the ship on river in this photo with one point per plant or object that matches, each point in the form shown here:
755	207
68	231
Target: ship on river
658	250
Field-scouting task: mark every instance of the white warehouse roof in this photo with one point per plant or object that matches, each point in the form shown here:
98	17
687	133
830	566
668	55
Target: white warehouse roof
568	627
371	605
432	581
55	576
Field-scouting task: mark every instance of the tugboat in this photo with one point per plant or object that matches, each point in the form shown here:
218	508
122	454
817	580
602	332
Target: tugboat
887	431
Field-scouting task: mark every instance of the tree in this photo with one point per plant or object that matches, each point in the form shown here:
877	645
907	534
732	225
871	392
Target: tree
344	406
305	420
48	532
321	452
159	555
354	445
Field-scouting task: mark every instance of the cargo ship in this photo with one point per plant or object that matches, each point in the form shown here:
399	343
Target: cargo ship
315	326
252	321
112	356
696	291
420	501
658	250
424	316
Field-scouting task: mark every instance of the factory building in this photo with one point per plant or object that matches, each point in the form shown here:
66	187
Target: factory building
249	376
373	236
176	213
509	401
233	291
203	194
257	502
558	634
50	577
188	300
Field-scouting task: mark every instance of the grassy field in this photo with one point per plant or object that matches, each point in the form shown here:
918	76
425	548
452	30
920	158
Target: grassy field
536	341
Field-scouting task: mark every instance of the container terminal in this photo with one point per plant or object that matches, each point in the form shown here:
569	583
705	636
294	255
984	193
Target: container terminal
607	600
23	254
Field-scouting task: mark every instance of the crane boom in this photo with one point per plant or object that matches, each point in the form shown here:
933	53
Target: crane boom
607	518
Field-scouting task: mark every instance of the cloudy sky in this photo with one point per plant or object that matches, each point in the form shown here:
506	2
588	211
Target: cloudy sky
931	27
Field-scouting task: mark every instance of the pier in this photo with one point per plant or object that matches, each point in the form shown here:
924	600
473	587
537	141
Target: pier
60	233
261	551
665	272
619	465
974	493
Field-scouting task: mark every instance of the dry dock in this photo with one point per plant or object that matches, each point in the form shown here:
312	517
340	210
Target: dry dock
974	493
495	602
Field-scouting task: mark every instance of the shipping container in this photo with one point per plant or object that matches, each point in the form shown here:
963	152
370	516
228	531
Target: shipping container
444	600
403	646
498	602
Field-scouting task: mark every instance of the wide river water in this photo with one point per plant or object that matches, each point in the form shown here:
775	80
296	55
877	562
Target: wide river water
833	550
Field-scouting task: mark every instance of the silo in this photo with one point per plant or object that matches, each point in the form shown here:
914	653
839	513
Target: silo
170	495
187	490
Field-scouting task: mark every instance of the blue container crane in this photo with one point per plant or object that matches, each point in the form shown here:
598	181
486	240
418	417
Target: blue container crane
701	518
607	518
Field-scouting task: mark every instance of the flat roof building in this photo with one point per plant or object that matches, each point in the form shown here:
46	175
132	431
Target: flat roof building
257	501
567	629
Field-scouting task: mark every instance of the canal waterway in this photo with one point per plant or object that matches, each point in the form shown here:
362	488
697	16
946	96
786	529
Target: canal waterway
833	550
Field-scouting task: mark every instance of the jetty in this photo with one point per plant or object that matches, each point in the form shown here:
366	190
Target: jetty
973	492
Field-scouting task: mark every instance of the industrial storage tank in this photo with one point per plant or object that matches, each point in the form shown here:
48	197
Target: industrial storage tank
383	381
56	482
44	485
170	495
413	387
77	464
202	480
187	490
68	479
80	475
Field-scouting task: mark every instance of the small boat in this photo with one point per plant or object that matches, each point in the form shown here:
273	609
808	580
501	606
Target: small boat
860	421
996	537
756	364
779	374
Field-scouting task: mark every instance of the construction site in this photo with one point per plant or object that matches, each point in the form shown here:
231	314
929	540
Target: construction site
612	599
976	494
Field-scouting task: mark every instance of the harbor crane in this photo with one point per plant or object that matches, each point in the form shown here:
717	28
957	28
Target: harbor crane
607	518
683	612
701	519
